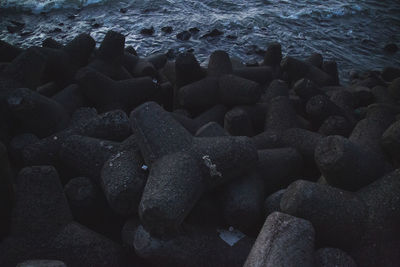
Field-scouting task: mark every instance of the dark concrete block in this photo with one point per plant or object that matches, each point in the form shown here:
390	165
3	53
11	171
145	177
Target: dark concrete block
283	235
122	180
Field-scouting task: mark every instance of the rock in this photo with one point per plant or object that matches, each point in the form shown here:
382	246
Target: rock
184	36
194	30
391	48
212	33
283	235
147	31
262	75
167	29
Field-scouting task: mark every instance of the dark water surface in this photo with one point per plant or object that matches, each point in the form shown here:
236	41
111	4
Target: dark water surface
351	32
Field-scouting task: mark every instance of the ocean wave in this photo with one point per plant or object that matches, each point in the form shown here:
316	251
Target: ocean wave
38	6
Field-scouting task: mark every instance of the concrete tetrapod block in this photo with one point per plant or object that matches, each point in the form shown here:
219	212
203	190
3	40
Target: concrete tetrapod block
391	141
242	202
173	187
320	107
336	125
262	75
122	180
25	70
8	51
216	114
280	115
200	94
381	241
347	165
238	122
234	90
6	192
337	216
71	98
108	94
184	167
211	129
85	200
42	226
331	257
37	114
80	49
157	132
86	155
279	167
275	88
187	69
42	263
306	89
297	69
273	202
195	247
219	64
284	240
113	125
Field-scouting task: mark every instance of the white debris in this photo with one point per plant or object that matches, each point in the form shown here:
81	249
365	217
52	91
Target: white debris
144	167
55	137
231	236
211	166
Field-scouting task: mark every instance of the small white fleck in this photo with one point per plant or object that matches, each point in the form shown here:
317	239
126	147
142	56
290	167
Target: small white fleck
55	137
155	81
111	164
144	167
